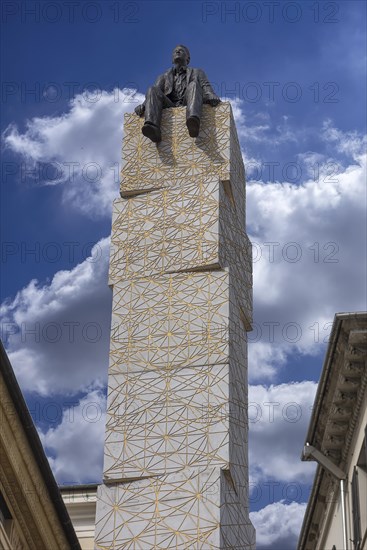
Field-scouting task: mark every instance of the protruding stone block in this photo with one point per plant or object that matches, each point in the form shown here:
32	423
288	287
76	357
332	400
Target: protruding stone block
172	230
179	159
176	320
191	509
162	422
159	423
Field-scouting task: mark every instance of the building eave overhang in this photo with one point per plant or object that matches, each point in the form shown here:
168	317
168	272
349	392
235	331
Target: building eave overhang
36	448
336	410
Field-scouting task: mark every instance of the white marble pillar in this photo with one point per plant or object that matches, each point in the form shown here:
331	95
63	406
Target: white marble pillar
175	459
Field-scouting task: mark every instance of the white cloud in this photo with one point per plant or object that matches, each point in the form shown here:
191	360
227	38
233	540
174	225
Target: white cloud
261	129
350	143
309	258
252	132
295	301
57	335
278	421
320	223
278	525
264	359
81	149
77	442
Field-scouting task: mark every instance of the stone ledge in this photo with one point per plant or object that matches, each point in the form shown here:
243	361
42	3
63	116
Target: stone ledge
179	159
163	421
190	509
176	320
177	230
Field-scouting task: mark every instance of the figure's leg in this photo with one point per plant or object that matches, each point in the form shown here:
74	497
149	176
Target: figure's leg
194	104
154	103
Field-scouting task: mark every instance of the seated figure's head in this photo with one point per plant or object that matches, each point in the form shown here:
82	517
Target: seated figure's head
181	55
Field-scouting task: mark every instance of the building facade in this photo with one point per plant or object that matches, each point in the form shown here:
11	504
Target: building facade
33	515
80	501
336	515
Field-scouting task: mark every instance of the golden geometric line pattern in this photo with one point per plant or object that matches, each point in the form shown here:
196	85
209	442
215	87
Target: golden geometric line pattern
167	230
196	509
179	159
236	531
174	320
176	230
159	422
162	422
173	511
181	271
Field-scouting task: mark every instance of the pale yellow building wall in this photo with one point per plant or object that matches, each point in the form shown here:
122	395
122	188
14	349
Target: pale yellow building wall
332	531
81	506
356	448
35	522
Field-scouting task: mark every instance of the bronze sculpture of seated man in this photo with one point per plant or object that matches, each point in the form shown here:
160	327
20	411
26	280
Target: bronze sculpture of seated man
180	85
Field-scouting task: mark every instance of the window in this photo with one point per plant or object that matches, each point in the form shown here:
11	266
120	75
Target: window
6	520
4	510
356	511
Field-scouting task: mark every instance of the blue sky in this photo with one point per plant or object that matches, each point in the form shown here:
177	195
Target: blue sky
295	73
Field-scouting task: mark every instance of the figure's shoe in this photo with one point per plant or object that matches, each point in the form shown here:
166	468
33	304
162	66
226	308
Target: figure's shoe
152	132
193	125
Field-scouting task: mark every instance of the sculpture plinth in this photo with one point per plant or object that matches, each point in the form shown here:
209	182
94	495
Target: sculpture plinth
175	462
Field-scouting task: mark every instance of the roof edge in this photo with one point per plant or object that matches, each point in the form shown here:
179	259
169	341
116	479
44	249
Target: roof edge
339	318
37	448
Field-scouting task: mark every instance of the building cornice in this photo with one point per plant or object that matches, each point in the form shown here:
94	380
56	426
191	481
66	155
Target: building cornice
26	473
336	412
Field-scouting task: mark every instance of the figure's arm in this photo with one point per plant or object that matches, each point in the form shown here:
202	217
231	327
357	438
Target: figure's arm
208	93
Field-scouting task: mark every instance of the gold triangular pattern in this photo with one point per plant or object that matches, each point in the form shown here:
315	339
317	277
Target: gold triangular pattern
175	461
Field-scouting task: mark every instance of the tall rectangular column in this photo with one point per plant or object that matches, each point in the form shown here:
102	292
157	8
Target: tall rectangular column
175	460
